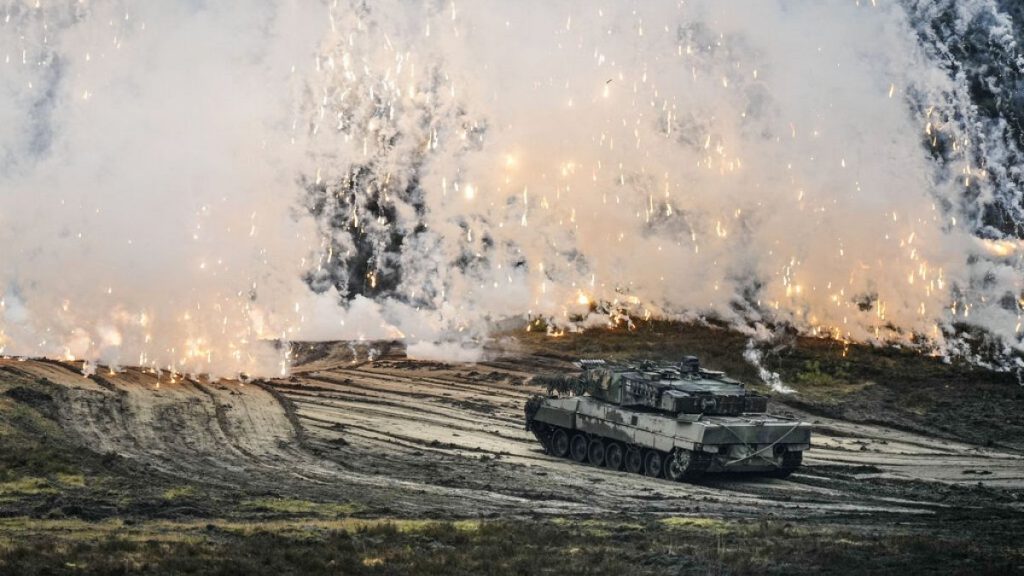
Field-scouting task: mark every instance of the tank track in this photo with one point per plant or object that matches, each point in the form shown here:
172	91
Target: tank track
790	462
678	465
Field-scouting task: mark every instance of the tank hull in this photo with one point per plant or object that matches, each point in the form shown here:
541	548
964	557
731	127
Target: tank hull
698	443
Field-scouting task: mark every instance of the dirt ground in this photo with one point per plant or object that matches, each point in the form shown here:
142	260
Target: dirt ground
360	433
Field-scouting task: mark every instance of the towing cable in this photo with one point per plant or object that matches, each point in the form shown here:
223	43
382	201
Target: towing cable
751	455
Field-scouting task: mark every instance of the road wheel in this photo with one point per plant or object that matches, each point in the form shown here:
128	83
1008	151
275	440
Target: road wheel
595	453
614	454
653	464
560	443
578	447
634	460
679	465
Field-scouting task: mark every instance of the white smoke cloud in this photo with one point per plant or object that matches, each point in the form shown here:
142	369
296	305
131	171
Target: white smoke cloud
758	161
444	351
149	179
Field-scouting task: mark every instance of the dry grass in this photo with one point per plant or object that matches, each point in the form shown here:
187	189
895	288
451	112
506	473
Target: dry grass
390	546
256	534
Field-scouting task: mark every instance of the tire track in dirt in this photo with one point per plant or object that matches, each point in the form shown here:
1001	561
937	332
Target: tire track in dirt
421	438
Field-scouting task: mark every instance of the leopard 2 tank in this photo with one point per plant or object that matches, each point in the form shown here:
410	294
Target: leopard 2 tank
665	419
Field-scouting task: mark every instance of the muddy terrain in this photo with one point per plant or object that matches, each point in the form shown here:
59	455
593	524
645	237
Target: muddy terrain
361	438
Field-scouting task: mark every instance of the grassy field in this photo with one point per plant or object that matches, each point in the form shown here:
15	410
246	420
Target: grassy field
66	509
388	546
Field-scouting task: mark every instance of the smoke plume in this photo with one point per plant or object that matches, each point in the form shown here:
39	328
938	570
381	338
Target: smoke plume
185	184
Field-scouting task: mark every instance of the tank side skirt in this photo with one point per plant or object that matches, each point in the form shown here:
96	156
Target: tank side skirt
651	430
571	420
556	417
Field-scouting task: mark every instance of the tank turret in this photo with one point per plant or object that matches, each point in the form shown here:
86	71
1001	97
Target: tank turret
670	387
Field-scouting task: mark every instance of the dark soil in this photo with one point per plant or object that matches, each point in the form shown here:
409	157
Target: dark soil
348	484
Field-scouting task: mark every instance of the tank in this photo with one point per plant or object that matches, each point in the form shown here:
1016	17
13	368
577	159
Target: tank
674	420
